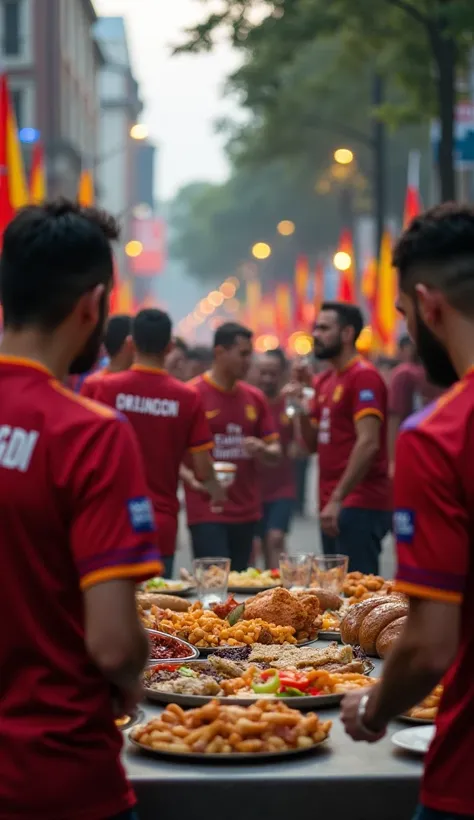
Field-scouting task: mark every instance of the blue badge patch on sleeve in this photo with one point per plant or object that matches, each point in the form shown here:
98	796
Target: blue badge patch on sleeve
404	526
366	395
141	515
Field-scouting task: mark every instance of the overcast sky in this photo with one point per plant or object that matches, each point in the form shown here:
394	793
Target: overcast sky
183	95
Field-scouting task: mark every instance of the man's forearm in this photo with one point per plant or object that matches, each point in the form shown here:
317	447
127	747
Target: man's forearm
308	433
270	454
357	468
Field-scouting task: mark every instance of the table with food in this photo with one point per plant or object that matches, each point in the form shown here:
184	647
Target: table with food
245	694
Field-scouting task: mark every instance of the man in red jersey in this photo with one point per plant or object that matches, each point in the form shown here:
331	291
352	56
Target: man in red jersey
169	421
278	483
119	347
244	435
434	502
77	529
347	428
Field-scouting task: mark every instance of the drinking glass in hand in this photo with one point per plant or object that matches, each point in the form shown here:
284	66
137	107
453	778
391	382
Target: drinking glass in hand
295	571
329	572
212	578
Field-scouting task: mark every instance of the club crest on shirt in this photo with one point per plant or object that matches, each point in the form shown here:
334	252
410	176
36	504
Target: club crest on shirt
250	412
338	391
211	414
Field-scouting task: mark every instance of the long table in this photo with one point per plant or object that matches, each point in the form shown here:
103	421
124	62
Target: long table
343	779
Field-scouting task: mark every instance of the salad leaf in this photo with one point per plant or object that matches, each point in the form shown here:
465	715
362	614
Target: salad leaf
186	672
156	583
290	692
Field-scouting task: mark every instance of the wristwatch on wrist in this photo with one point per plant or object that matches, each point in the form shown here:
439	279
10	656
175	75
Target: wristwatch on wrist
361	715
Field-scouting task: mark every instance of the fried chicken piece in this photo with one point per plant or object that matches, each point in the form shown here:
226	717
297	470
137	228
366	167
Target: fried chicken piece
280	607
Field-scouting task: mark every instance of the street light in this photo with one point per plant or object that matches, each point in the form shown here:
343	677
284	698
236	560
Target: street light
139	131
342	260
261	250
286	227
215	298
133	248
343	156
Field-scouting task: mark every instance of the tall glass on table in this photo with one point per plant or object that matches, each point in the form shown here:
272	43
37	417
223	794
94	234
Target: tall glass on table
329	572
212	579
295	571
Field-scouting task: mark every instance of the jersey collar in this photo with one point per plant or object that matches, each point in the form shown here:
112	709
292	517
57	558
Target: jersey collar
21	361
141	368
355	359
209	380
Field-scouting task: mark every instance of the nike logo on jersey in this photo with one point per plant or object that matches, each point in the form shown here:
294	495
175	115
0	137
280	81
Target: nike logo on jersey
211	414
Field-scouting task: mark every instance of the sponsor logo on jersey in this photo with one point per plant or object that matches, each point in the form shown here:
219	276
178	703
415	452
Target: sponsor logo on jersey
212	414
404	525
141	515
366	395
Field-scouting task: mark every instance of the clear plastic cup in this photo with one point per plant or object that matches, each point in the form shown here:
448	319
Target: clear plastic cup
329	572
212	579
295	570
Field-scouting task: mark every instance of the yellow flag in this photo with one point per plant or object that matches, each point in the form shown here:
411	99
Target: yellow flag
19	195
385	313
86	192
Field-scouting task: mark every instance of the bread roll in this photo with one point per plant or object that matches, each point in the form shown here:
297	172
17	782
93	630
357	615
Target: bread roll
388	636
149	599
376	620
351	622
327	599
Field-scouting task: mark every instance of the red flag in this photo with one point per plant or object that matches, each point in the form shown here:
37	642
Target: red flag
13	189
346	290
301	289
283	311
413	203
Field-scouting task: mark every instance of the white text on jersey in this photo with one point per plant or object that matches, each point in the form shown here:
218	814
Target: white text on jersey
146	406
16	447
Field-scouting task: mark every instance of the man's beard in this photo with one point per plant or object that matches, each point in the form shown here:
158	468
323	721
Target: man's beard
328	352
434	356
88	356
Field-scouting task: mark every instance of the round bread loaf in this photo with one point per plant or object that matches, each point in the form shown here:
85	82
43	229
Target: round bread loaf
351	622
376	620
388	636
173	602
327	599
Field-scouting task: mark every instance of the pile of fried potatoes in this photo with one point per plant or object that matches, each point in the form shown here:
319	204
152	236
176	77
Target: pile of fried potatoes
264	727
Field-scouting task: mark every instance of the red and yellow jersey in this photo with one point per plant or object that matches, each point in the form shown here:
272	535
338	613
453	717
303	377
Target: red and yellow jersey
169	421
75	513
91	383
341	399
233	416
279	481
434	527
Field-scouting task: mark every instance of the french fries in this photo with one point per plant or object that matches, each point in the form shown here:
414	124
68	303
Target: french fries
204	628
214	729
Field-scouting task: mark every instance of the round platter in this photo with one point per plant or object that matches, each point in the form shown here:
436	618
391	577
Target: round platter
415	721
416	740
220	758
304	703
193	653
236	590
330	635
183	592
137	717
205	651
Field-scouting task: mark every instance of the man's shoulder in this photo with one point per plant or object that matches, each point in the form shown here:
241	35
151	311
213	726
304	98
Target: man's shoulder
68	410
249	391
447	414
364	370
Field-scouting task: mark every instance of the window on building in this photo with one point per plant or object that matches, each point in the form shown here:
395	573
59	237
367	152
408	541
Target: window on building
18	100
11	28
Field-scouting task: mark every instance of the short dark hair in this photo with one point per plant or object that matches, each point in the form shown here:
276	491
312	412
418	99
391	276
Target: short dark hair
348	316
152	331
227	334
118	328
277	353
200	353
52	255
438	249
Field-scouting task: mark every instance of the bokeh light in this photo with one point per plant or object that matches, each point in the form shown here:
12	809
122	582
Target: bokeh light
133	248
286	227
343	156
342	260
215	298
232	306
228	290
261	250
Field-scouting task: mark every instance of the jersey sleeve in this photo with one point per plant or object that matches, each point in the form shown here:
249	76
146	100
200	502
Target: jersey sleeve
89	388
369	394
200	436
400	394
267	429
113	531
430	521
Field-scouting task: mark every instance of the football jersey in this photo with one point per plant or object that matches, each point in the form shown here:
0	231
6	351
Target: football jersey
434	528
74	513
233	416
169	421
341	399
279	480
91	383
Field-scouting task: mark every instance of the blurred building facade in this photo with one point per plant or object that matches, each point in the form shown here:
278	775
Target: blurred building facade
120	108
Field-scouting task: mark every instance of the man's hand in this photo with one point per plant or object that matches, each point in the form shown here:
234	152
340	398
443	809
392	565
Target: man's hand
329	518
357	729
254	446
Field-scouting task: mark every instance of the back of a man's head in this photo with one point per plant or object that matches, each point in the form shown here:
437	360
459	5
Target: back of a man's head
52	255
151	332
119	328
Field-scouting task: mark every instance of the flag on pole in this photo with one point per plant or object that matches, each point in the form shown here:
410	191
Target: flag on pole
38	176
283	311
413	203
254	298
385	314
346	291
369	282
301	289
86	191
13	188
